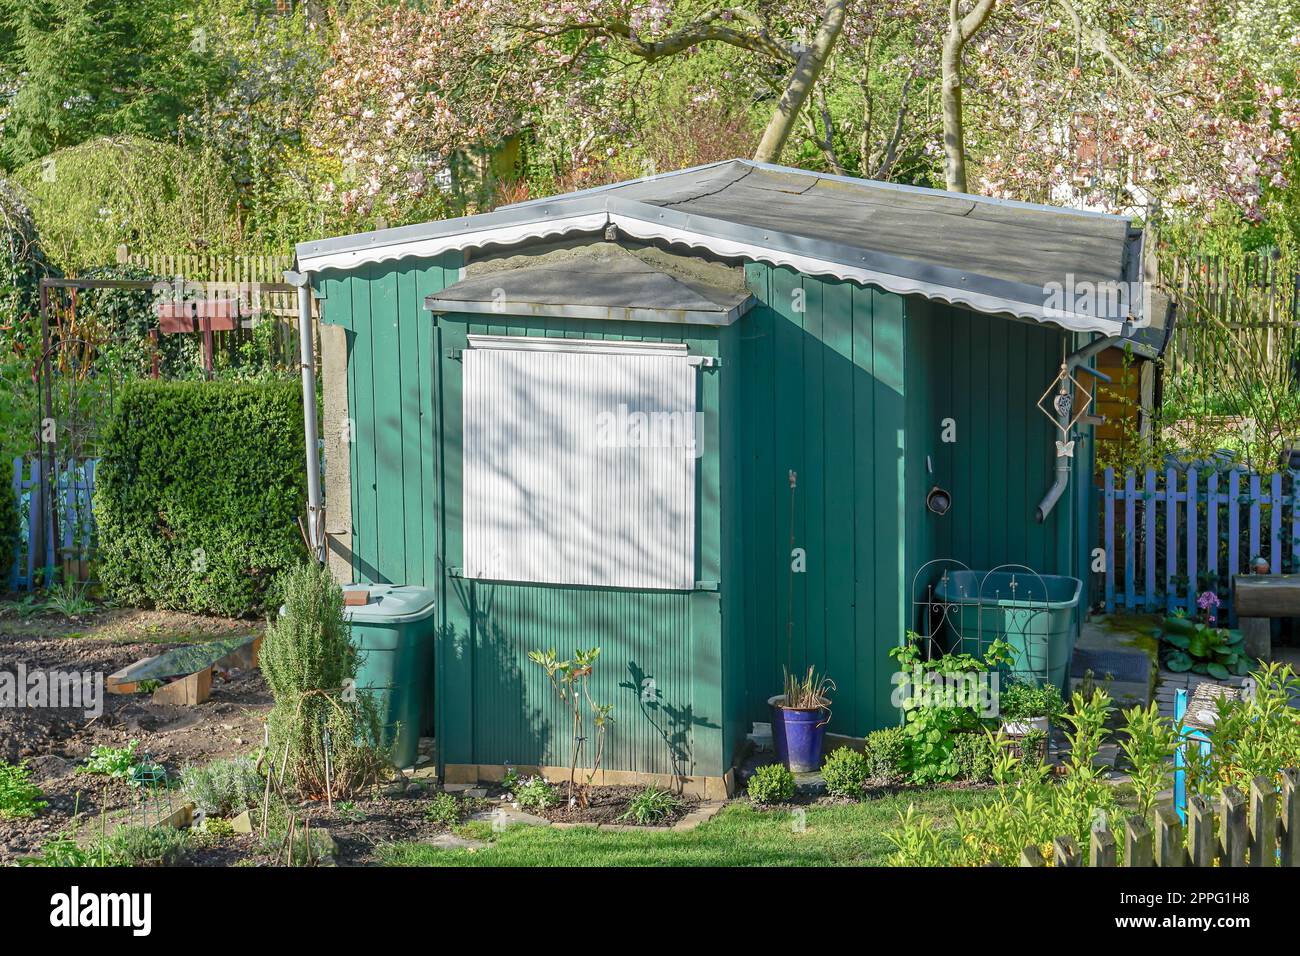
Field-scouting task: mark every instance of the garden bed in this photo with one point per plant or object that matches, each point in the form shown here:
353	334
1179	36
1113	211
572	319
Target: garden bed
607	805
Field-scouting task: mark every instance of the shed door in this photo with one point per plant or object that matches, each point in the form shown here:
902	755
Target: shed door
579	463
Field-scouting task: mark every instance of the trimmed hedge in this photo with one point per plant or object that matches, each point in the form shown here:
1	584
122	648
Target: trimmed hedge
198	492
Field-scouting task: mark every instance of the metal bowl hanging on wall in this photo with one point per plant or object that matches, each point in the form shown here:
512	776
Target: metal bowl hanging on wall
938	500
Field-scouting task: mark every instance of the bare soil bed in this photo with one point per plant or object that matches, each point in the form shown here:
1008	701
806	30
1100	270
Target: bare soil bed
56	741
608	804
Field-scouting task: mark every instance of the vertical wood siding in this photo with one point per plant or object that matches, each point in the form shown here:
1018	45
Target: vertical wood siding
661	652
823	397
390	392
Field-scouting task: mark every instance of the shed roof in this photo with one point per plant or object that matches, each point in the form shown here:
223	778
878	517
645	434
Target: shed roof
994	256
601	281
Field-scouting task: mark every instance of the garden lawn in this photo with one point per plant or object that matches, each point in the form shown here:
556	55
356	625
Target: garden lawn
851	834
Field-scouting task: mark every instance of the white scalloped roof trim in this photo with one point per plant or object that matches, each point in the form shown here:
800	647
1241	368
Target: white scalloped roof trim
639	228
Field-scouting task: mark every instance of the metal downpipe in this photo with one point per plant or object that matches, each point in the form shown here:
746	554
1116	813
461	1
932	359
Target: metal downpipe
1073	361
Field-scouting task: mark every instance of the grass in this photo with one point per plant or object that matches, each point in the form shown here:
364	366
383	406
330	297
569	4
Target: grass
740	835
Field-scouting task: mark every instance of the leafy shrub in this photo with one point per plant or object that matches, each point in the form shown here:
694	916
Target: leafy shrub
885	753
1029	809
771	783
198	494
224	787
145	846
1192	646
845	771
650	806
975	754
19	797
116	762
444	809
160	194
306	658
62	850
536	794
1022	700
931	726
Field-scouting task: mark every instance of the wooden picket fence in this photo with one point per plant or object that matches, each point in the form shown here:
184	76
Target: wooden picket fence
1169	536
40	548
231	272
1262	830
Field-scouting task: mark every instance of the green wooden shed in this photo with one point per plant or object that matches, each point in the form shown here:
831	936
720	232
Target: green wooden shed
670	416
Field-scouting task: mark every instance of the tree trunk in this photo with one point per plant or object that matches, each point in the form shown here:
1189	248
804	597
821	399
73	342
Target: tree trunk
801	83
954	131
960	31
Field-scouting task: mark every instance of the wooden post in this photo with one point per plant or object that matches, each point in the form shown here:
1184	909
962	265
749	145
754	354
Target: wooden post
1263	822
1200	831
1290	829
1137	843
1065	852
1102	844
1232	827
1169	838
1031	856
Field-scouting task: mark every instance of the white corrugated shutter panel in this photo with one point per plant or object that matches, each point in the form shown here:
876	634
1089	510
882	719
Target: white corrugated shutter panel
579	463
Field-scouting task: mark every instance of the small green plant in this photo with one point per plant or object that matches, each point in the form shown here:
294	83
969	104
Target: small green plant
650	806
885	753
1190	645
19	797
68	598
810	692
510	781
350	811
1150	746
444	809
145	846
771	783
536	794
571	680
937	707
115	762
845	771
975	754
1024	700
224	787
62	851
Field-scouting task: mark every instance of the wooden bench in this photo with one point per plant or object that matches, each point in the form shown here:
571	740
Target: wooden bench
1258	598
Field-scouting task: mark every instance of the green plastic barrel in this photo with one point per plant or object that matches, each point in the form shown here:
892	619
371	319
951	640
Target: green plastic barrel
393	632
1034	613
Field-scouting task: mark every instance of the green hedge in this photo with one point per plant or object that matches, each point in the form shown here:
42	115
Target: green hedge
198	493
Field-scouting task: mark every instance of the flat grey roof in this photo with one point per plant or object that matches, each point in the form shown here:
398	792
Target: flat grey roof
601	281
990	255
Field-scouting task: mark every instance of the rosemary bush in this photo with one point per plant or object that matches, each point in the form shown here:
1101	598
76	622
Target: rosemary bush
307	658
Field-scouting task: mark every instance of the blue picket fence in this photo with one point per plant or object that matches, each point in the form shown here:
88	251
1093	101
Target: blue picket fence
1170	536
72	484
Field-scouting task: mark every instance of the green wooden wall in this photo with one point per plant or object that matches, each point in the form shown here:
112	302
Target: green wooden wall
823	395
493	705
842	384
391	404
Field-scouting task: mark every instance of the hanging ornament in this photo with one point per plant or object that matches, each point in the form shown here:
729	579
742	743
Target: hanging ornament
1058	404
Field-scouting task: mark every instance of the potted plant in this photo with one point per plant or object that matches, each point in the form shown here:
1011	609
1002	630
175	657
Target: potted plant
1027	710
799	718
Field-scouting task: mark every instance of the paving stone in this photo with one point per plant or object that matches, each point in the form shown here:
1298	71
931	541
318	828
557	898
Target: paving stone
511	815
450	841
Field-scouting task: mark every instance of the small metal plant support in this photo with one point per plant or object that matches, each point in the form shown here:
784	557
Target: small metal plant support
948	615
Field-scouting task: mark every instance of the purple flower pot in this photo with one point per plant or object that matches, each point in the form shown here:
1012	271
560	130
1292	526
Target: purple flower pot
797	735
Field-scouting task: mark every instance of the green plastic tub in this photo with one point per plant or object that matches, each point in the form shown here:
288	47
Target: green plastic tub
393	631
1034	613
